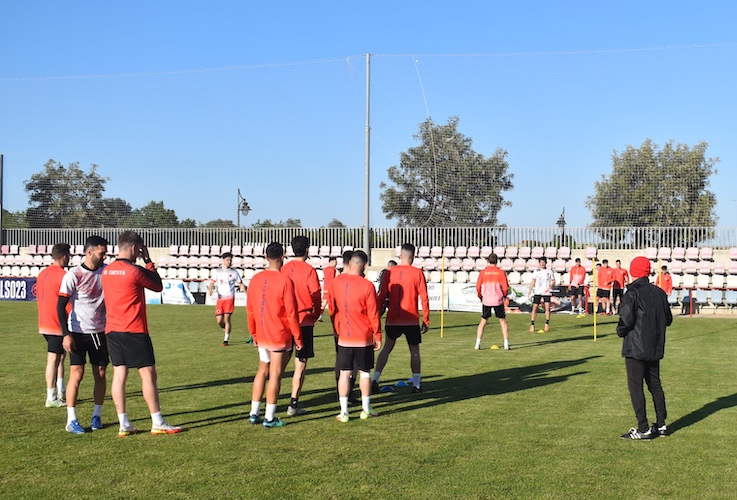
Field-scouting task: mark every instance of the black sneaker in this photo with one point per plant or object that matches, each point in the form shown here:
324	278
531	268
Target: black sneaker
661	430
416	390
635	434
375	389
225	343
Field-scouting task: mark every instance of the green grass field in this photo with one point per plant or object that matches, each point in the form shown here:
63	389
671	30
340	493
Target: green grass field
540	421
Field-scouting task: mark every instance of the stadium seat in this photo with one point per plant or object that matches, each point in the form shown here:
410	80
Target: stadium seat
703	281
225	249
215	251
485	251
194	250
664	253
183	250
676	267
32	249
719	267
47	260
679	253
247	251
717	281
481	264
506	265
690	267
237	261
76	250
435	277
651	253
41	249
436	252
193	273
733	253
315	262
173	249
259	262
520	265
461	277
591	252
258	251
448	277
204	251
537	252
688	281
5	249
586	263
34	271
429	264
513	278
676	278
716	298
468	264
237	250
559	266
704	267
335	251
499	251
730	299
551	253
524	252
473	277
312	251
732	269
454	264
692	253
731	282
461	252
418	262
25	271
38	260
511	252
290	252
203	273
449	252
706	253
473	252
562	279
397	251
324	251
533	264
423	251
564	253
674	298
5	270
525	278
701	298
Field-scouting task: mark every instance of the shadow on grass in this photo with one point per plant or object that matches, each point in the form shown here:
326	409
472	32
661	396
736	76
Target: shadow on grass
557	341
703	412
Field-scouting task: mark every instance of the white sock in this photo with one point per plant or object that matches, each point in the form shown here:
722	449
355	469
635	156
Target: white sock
377	376
71	414
157	419
255	407
416	378
478	342
343	405
50	394
227	337
506	343
60	388
270	411
97	412
366	403
123	419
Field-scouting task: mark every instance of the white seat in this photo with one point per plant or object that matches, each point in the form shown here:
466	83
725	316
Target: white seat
461	277
473	276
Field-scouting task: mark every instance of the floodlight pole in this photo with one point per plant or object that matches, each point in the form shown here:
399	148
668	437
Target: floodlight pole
367	164
1	200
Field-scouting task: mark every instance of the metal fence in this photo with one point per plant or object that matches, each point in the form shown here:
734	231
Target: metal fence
574	237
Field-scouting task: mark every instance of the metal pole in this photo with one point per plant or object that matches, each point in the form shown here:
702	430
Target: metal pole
367	163
1	200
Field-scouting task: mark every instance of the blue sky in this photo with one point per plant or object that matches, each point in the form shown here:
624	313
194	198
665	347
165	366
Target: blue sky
187	101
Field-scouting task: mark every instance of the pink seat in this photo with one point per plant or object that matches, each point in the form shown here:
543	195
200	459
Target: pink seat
247	262
215	251
237	250
679	253
485	252
733	253
591	252
32	249
204	251
312	251
533	264
719	267
689	267
520	265
473	252
335	251
194	250
247	250
564	253
551	253
430	264
537	252
732	269
559	266
436	252
324	251
461	252
468	264
706	253
455	264
449	252
258	251
5	249
692	253
676	267
651	253
183	250
481	264
225	249
418	262
506	265
524	253
664	253
511	252
499	251
704	267
423	251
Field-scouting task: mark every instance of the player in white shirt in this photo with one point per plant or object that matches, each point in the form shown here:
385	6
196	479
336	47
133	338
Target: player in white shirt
225	279
541	287
84	329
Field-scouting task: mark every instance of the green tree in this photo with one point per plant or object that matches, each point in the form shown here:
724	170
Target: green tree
62	196
188	223
109	212
13	220
154	214
650	188
268	223
335	223
444	182
222	223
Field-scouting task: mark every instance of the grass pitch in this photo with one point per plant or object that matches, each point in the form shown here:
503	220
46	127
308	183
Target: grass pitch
540	421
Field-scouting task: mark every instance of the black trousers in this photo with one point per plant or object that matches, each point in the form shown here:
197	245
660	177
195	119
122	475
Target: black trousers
649	371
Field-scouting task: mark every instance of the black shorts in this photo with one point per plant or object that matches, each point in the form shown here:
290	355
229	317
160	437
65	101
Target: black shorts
133	350
411	332
363	357
54	344
545	298
498	311
600	292
617	293
93	345
577	291
308	343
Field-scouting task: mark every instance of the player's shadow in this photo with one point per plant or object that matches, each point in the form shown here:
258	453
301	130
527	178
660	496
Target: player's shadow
539	343
703	412
450	390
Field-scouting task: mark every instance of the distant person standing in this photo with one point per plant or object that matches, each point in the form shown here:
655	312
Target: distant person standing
492	288
84	329
309	308
48	283
664	280
382	274
577	287
328	274
273	323
541	289
604	282
403	286
355	315
621	280
643	347
225	279
129	343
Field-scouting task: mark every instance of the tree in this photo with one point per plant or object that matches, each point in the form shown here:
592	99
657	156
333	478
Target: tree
62	196
221	223
14	220
109	212
154	214
188	223
269	223
651	188
335	223
444	182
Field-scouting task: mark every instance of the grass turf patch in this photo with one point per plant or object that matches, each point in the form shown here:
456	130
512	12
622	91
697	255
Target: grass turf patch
542	420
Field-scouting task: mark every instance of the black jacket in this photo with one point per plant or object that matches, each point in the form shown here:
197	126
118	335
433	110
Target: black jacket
643	316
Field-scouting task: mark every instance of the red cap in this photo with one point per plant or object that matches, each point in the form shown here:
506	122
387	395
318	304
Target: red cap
639	267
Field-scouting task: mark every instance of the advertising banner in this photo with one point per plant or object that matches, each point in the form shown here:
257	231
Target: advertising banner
18	289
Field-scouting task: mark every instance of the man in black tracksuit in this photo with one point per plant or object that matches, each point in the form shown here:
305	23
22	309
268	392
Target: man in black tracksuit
644	315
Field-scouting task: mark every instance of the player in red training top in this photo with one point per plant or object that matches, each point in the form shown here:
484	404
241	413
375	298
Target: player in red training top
577	287
604	280
664	280
84	330
272	321
355	315
621	280
47	295
492	288
328	274
403	284
309	308
128	340
225	279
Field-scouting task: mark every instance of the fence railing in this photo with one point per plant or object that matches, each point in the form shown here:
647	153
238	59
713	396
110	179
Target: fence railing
575	237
